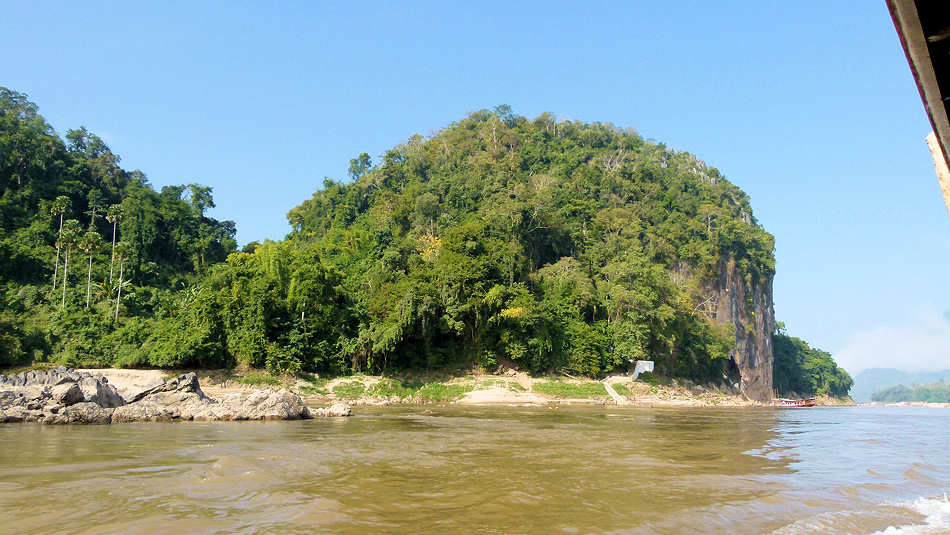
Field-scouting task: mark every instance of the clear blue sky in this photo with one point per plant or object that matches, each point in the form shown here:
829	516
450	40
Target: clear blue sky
808	106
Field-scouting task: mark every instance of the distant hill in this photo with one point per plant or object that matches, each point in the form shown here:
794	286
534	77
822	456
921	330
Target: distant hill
931	393
873	380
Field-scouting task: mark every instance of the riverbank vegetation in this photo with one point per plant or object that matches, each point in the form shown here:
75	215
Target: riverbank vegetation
500	241
800	370
929	393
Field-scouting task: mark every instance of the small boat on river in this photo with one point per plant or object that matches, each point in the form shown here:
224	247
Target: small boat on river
794	403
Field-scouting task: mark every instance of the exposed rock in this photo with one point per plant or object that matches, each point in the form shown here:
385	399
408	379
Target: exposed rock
746	305
88	412
260	405
65	396
337	409
20	413
182	399
145	411
187	383
98	390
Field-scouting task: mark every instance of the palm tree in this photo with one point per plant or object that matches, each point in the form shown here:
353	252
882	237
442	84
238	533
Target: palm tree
114	215
122	250
60	206
67	239
89	243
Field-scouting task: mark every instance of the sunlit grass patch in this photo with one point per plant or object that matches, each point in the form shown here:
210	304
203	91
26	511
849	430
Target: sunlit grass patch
592	389
622	389
349	390
443	392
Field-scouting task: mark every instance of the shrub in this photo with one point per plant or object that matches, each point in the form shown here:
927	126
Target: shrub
393	388
648	378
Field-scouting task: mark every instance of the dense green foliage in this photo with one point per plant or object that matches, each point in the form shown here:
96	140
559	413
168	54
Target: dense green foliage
67	200
931	393
550	246
805	371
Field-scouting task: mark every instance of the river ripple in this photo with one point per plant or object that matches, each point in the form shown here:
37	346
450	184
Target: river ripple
489	470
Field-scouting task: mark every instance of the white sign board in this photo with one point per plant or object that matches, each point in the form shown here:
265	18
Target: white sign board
642	366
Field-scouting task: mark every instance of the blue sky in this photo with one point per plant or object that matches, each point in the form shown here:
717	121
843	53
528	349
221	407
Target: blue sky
808	106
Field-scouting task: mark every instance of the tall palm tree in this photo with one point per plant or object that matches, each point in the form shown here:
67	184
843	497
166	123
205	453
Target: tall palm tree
67	239
114	215
60	206
122	250
89	243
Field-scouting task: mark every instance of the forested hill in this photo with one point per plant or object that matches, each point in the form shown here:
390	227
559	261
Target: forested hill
552	245
537	244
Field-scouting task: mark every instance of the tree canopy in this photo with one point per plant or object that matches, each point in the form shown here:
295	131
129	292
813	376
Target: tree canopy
799	369
547	245
47	182
550	245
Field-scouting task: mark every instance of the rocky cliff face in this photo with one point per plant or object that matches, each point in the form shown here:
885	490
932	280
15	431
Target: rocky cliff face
747	305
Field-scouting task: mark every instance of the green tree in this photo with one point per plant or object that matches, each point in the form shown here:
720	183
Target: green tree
89	243
59	207
121	251
114	215
359	166
803	370
68	238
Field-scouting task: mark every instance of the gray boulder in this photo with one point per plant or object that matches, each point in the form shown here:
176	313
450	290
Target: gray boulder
88	412
337	409
181	398
67	394
21	413
260	405
98	390
187	383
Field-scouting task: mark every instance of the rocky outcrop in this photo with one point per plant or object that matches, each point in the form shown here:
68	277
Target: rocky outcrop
60	396
746	305
182	399
65	396
335	410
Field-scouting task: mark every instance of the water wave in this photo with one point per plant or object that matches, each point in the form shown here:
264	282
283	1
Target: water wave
936	512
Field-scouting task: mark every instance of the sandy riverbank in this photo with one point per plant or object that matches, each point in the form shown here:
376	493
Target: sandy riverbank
515	389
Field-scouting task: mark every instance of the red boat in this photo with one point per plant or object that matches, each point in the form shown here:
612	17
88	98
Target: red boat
793	403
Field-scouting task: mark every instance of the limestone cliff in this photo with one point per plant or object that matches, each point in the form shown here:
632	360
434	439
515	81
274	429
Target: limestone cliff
746	304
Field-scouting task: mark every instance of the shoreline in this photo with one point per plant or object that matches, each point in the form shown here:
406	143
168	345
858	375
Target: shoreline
515	389
926	404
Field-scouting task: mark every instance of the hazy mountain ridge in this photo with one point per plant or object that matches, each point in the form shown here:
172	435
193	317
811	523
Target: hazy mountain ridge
873	380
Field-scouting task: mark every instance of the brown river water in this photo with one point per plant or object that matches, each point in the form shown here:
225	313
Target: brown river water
489	470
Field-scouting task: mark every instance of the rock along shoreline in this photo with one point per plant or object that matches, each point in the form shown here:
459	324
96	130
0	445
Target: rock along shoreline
67	396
